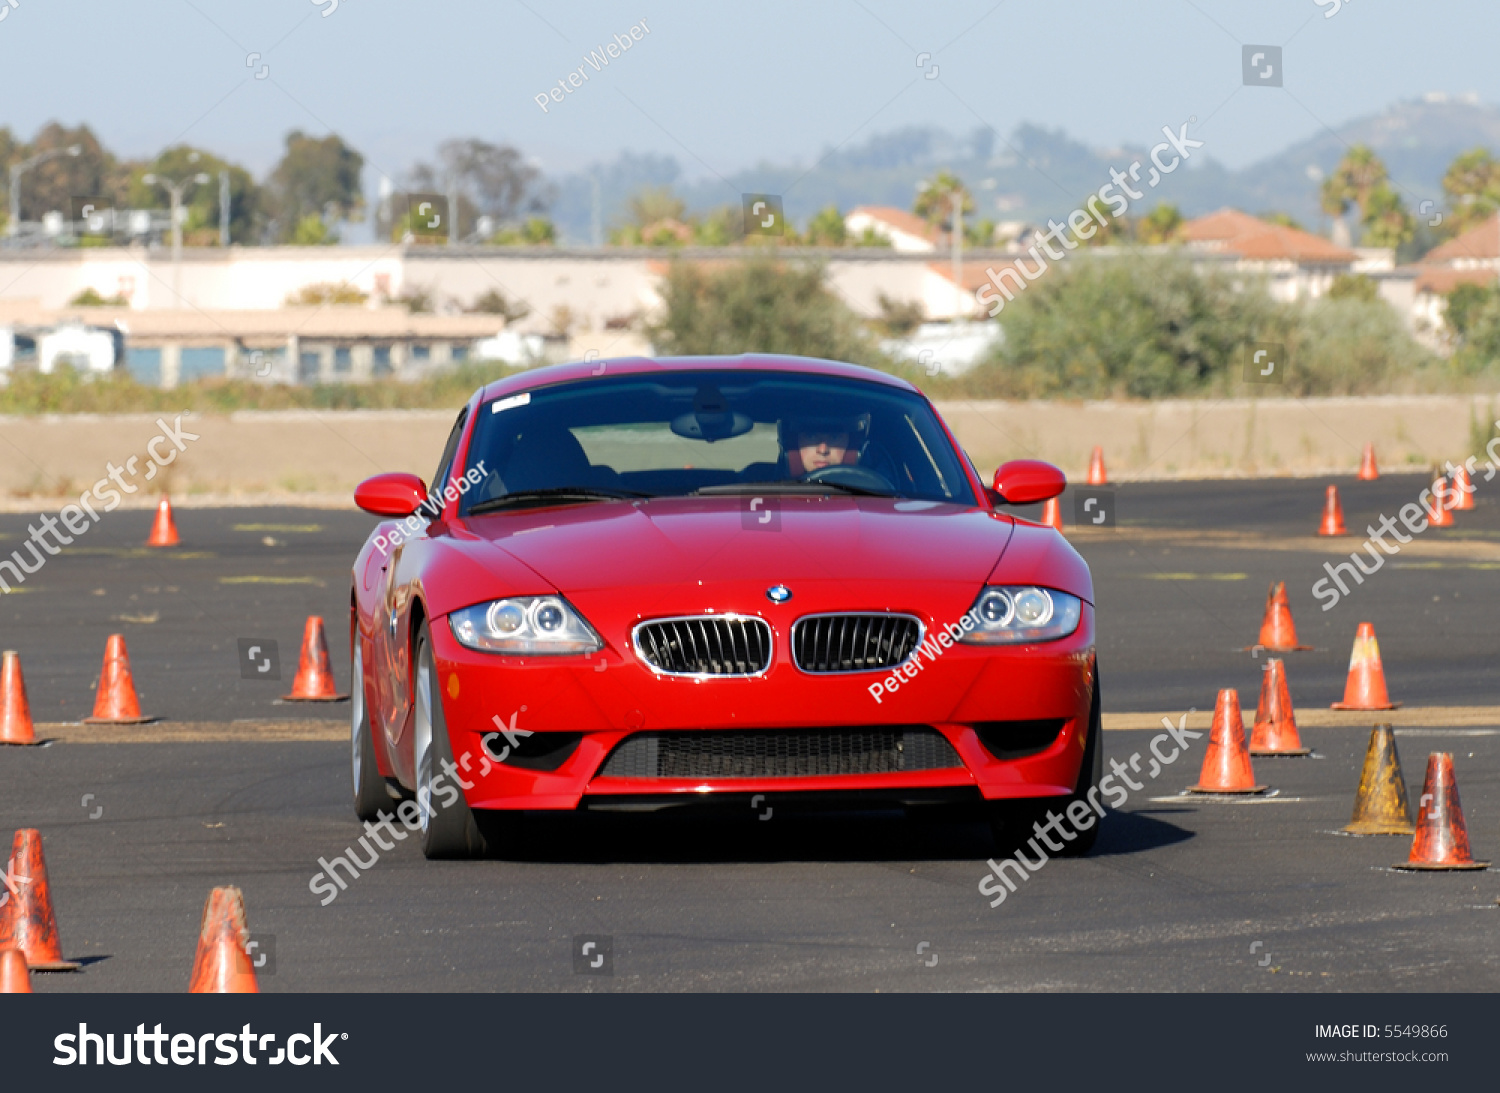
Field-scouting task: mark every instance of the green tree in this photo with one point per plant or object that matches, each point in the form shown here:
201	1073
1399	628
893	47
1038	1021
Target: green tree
1465	303
1472	184
979	233
50	186
721	228
315	178
1353	286
936	197
537	231
1283	220
1162	224
654	204
312	231
760	305
1359	174
1386	221
826	228
247	215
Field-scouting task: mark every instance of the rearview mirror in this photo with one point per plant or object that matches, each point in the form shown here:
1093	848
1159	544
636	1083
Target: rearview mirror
1027	481
391	494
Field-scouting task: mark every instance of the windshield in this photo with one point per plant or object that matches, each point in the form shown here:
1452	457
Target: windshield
711	431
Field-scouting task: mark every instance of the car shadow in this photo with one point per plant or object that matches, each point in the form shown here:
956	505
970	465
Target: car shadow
1138	832
684	836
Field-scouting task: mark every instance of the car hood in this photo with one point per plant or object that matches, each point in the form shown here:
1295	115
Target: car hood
781	539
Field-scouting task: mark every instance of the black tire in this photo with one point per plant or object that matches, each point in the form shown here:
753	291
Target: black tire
450	829
1012	822
370	795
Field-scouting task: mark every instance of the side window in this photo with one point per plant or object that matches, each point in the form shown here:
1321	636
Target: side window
445	464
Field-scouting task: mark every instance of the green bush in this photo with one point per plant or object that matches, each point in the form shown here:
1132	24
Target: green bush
1153	326
1353	346
1129	326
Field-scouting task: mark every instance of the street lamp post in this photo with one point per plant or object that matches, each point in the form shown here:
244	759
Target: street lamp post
175	189
14	225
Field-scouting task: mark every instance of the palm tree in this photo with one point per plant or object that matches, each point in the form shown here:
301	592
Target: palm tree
935	199
1358	175
1473	188
1386	221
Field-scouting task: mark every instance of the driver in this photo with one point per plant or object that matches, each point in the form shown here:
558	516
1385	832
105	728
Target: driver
812	443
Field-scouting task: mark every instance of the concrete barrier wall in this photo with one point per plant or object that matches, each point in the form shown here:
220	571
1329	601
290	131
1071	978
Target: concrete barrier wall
318	457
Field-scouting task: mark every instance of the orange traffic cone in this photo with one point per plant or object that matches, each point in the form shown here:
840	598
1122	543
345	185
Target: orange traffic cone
1442	839
26	921
1463	485
314	682
115	702
1096	468
1438	514
1333	514
1367	469
164	530
15	713
1052	514
1365	687
14	978
1278	632
1275	731
221	965
1226	764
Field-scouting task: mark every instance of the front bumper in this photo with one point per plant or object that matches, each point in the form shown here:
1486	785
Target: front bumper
611	696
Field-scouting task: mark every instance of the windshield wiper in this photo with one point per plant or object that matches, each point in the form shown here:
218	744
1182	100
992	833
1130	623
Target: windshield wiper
787	485
554	493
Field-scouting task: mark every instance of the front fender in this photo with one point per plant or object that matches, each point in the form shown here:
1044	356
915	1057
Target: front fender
1039	555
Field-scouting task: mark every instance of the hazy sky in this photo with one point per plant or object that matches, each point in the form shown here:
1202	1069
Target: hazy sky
719	85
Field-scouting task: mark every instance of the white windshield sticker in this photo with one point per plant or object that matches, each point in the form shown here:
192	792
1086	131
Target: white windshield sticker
510	403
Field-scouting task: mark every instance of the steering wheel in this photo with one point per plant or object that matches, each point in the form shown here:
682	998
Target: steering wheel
844	475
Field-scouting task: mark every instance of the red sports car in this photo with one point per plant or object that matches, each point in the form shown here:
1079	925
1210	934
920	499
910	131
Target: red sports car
645	583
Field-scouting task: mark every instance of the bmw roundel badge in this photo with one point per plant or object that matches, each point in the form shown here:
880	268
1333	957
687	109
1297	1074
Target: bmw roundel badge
778	593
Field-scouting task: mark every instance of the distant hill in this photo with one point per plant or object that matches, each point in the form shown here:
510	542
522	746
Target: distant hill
1036	173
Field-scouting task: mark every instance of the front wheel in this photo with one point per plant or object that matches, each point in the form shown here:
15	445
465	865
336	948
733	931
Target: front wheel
450	828
1013	822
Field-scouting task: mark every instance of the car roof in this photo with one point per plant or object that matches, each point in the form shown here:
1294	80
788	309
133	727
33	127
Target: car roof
629	366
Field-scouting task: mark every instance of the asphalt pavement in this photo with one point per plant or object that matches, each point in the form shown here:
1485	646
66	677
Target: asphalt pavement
1180	894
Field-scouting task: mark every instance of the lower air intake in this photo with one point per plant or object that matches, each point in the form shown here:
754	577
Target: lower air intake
779	753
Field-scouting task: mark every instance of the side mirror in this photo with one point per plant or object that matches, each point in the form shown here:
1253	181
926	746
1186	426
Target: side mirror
1027	481
391	494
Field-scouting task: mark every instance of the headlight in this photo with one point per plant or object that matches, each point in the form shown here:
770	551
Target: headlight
524	626
1015	615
